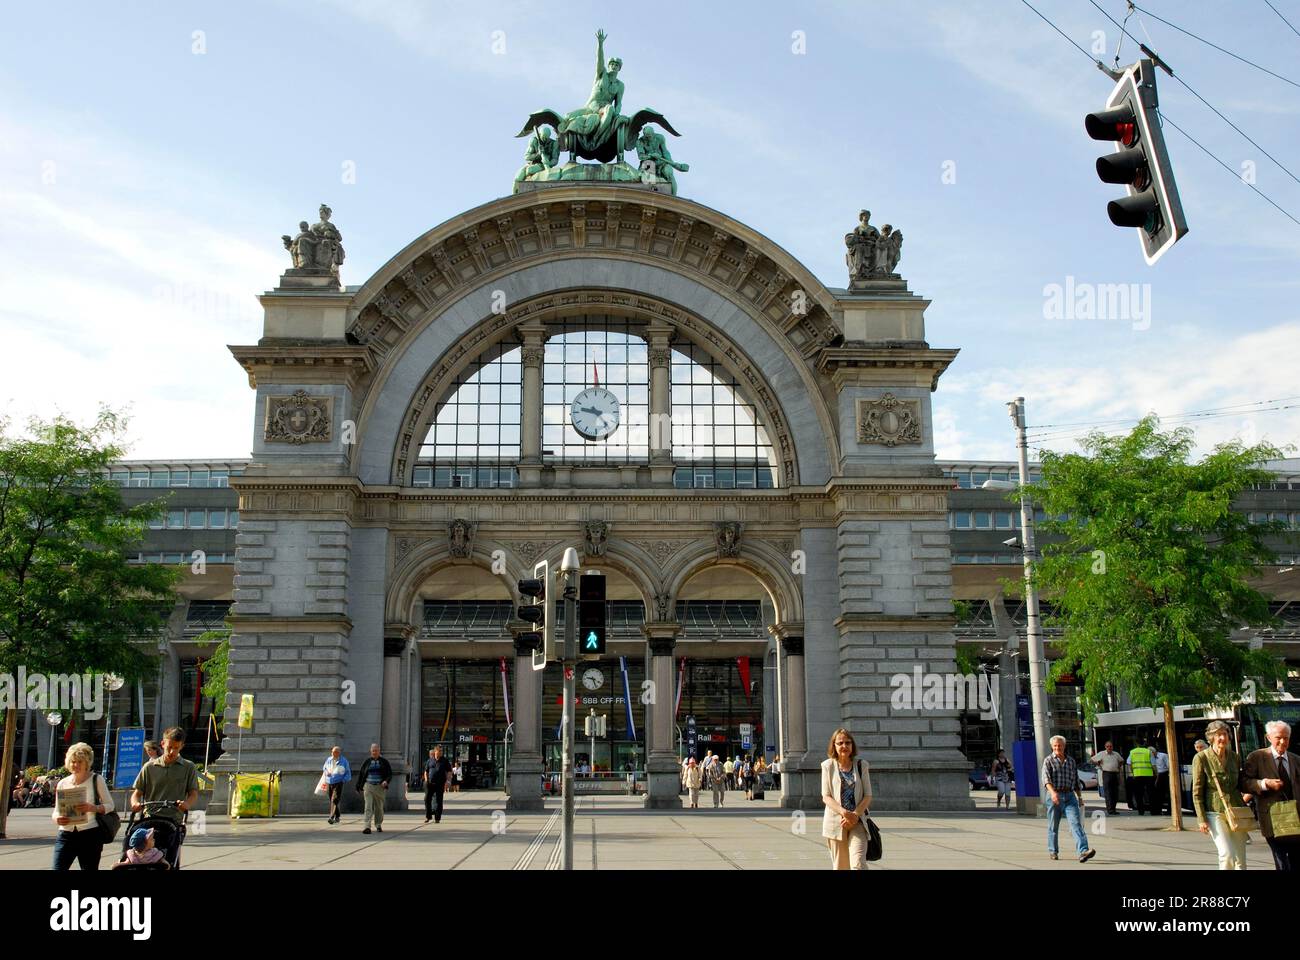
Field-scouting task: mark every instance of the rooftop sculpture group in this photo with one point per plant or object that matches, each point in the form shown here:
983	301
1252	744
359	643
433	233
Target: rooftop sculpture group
872	254
598	131
317	249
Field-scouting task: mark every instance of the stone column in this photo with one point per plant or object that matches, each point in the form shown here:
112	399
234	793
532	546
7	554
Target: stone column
525	770
794	794
396	638
530	406
663	775
661	438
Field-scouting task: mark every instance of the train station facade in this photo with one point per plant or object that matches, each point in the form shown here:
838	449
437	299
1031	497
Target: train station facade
766	510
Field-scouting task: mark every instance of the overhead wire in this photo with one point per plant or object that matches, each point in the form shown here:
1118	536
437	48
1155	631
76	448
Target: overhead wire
1214	45
1283	167
1093	423
1283	19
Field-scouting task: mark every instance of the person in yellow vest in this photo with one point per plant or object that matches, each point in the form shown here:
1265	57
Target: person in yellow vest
1141	766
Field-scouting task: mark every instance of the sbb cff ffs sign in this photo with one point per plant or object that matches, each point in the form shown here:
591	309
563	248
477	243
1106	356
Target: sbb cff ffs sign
591	615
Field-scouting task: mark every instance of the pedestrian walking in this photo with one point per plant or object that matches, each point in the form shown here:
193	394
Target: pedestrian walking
85	797
1061	778
1216	783
372	784
692	779
1142	774
170	777
459	773
436	773
1272	774
1111	765
1000	774
151	751
715	776
337	772
846	792
729	770
747	776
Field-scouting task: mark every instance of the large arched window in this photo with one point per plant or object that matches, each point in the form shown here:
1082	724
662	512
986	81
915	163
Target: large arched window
718	437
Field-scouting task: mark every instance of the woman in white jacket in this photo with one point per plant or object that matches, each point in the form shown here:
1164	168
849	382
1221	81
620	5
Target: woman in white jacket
846	791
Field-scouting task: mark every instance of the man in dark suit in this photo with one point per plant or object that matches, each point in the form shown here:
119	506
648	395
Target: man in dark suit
1273	776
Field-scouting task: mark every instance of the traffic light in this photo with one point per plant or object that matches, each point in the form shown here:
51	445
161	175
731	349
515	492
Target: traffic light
591	615
537	611
1142	164
595	725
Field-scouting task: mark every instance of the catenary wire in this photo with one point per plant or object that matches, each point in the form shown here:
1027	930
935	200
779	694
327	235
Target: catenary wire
1214	45
1284	19
1216	110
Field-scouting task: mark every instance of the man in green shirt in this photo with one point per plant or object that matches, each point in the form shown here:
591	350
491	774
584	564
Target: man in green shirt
170	777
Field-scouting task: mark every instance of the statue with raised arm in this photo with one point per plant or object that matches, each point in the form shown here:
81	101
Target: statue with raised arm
329	247
654	158
302	248
598	131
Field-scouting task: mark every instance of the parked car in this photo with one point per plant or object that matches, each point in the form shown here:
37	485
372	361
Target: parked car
979	778
1088	776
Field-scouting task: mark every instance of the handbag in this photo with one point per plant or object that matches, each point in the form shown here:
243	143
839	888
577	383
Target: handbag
323	786
875	847
1284	819
109	823
1241	819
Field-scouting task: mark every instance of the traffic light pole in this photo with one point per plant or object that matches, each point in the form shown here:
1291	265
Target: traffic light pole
570	692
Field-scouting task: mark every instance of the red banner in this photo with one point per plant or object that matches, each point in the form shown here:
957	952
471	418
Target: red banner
743	664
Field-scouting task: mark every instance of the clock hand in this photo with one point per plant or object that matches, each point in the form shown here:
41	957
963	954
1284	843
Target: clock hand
596	410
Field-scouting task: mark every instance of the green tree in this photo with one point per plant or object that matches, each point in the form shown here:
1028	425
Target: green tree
69	600
1151	576
216	669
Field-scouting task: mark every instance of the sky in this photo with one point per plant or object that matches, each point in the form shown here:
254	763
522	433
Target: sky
152	154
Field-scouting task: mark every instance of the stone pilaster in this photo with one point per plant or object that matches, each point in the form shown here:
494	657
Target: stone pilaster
660	427
530	409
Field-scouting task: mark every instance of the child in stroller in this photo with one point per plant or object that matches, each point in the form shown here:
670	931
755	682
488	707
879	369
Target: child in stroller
166	834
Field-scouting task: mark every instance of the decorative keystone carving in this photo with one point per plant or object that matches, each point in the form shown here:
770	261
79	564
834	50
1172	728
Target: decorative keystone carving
595	533
728	537
300	418
889	421
460	538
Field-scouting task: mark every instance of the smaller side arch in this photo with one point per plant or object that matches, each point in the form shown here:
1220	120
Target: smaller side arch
760	558
400	604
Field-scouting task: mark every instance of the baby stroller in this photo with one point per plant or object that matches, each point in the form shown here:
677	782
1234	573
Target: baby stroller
168	836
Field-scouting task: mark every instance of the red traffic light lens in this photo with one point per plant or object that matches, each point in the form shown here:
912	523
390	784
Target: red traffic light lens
1126	133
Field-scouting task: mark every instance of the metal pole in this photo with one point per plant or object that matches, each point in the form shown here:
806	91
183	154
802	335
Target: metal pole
1033	632
570	691
108	729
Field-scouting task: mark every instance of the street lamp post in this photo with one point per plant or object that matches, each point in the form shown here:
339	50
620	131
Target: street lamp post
112	683
1033	629
53	718
569	570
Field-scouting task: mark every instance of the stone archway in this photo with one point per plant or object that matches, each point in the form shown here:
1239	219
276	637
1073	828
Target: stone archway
850	544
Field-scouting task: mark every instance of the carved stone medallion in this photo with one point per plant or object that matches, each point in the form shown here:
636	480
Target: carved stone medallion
728	537
595	534
300	418
460	538
889	421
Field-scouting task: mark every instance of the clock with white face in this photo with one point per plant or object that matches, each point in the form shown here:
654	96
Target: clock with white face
594	413
593	679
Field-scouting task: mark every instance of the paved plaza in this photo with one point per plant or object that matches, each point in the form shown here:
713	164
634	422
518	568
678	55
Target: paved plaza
615	833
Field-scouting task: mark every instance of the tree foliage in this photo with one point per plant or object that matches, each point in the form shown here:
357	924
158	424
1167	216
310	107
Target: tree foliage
1151	579
69	600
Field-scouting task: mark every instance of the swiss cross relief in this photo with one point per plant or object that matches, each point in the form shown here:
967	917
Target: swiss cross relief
300	418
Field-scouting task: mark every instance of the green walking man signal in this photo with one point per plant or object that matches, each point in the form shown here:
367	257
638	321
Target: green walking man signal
591	615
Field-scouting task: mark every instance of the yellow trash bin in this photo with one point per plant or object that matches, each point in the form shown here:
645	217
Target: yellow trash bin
254	794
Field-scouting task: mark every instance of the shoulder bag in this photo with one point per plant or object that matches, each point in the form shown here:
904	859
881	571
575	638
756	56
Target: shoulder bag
109	823
875	846
1241	819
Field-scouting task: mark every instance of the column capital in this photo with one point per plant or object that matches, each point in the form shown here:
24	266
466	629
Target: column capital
533	333
397	636
786	628
658	334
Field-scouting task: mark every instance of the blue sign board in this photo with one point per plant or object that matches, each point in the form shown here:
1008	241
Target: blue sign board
690	737
1024	717
130	756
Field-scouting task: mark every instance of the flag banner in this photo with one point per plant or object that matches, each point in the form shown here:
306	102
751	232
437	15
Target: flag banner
627	699
681	682
246	711
743	664
505	689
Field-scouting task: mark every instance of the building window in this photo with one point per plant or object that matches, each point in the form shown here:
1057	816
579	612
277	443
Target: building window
712	424
479	422
175	519
198	520
983	519
574	357
216	519
1005	520
961	519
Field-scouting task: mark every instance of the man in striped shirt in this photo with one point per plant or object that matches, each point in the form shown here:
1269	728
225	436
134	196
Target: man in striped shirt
1061	786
